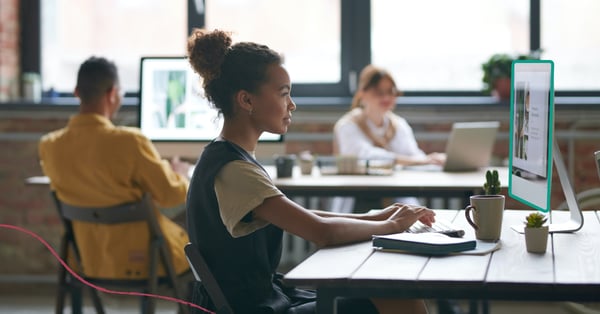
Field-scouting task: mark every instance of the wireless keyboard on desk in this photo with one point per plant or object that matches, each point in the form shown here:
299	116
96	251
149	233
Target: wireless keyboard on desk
439	226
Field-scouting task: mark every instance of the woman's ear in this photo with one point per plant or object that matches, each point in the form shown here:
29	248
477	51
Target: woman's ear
244	99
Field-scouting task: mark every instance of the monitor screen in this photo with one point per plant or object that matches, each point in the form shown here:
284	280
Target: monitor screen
172	103
531	129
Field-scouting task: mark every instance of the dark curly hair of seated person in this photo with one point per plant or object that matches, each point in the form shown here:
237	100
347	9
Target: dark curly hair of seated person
226	68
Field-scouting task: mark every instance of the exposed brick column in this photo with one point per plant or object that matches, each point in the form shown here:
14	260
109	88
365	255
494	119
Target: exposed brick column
9	49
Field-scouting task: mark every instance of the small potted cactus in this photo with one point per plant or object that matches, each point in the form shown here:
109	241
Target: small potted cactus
536	233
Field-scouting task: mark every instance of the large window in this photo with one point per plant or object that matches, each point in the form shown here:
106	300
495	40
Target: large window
120	30
439	44
569	36
433	47
306	32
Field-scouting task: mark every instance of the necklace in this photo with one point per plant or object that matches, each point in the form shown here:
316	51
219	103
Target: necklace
360	118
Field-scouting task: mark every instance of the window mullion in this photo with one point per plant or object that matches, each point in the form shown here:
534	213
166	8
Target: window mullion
196	14
534	25
356	40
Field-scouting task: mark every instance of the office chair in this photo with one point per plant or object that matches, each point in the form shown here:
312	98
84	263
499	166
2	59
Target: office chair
130	212
588	199
202	273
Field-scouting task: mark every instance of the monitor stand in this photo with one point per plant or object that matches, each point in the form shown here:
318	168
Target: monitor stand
575	221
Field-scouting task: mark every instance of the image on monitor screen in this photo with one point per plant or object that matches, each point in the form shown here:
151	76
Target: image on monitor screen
173	106
533	149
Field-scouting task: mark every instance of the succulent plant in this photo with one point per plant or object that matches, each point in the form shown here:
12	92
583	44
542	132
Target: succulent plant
492	183
535	220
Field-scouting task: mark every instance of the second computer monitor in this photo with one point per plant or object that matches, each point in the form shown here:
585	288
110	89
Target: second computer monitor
531	133
533	148
173	106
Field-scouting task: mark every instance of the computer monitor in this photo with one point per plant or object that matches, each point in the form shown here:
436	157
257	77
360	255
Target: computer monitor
174	113
532	144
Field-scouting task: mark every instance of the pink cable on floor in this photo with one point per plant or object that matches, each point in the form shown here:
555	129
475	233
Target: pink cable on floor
64	264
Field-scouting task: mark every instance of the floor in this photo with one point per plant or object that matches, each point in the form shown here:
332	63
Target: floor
39	299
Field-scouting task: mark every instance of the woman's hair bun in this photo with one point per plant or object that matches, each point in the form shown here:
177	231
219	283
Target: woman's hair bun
207	50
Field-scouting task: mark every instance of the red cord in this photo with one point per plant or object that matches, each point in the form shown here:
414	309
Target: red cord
74	274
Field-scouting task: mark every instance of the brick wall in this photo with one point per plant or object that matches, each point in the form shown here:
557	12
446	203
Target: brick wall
31	206
23	205
9	49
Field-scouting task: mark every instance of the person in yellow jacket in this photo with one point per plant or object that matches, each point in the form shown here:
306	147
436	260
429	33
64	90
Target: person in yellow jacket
92	162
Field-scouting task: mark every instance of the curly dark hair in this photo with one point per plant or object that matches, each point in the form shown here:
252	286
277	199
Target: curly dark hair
226	68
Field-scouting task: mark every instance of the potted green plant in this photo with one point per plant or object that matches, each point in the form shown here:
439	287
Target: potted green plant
497	70
536	233
487	210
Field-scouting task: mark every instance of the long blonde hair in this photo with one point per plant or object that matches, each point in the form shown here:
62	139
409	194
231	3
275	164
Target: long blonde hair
369	77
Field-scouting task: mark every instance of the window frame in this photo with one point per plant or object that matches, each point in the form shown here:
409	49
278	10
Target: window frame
355	49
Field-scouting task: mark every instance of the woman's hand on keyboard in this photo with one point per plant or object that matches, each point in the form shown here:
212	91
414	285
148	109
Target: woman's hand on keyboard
406	215
428	218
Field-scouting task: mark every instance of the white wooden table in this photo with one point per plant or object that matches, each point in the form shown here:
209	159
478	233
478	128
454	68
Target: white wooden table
568	271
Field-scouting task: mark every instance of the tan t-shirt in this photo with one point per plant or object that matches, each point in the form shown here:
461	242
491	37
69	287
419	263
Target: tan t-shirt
240	187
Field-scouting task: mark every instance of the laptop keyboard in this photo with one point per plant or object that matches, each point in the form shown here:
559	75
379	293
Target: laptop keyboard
440	226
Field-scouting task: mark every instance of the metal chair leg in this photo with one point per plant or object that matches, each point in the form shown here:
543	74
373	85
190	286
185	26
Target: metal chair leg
76	298
96	301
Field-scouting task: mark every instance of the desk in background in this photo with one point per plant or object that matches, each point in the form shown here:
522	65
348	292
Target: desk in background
419	183
568	271
38	180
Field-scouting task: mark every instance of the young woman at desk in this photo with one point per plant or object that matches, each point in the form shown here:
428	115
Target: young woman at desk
236	215
371	130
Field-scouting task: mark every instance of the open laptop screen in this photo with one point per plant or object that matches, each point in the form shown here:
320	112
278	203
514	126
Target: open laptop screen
470	145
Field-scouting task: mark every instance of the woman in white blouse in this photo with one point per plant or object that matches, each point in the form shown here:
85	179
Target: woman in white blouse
372	131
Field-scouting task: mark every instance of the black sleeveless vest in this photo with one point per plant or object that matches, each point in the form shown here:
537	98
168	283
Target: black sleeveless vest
244	266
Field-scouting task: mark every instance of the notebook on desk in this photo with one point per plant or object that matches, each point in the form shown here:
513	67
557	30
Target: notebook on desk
424	243
469	147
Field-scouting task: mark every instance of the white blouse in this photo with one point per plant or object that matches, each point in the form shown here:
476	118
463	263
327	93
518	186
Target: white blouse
352	141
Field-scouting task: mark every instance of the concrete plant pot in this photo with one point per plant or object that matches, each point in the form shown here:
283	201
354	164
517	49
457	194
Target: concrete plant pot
536	239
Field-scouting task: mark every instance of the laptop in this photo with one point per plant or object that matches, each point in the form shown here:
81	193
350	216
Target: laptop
469	147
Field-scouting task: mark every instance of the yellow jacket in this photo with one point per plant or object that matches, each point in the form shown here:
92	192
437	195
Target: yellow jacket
91	162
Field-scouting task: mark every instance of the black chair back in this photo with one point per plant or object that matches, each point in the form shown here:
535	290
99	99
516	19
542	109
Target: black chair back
202	273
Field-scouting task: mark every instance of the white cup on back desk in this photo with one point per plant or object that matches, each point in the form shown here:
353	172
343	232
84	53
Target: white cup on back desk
346	164
306	166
